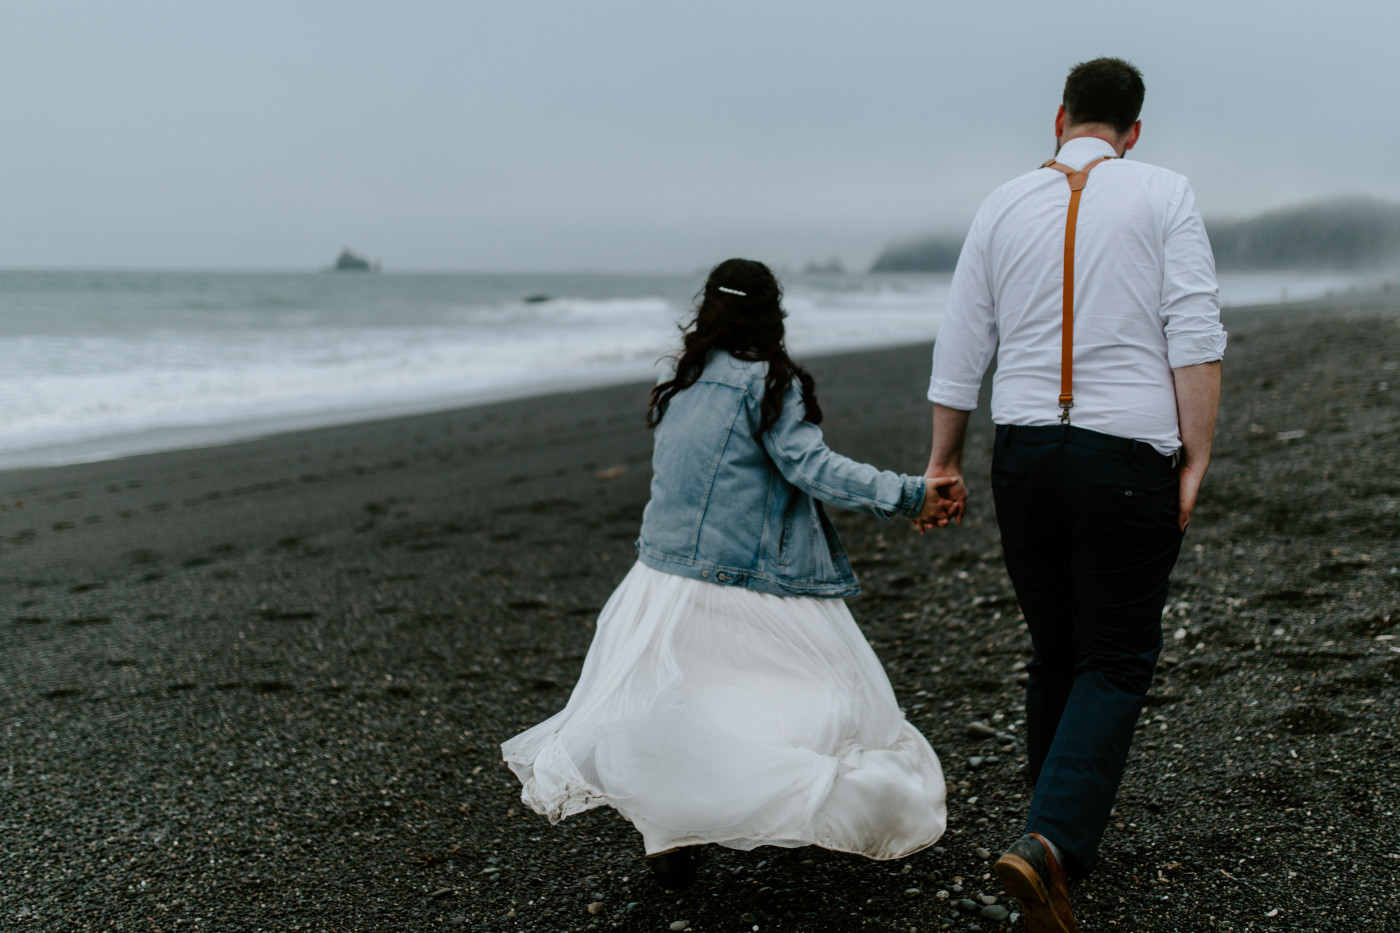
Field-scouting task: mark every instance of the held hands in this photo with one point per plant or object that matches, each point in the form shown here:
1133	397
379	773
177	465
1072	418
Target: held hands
945	499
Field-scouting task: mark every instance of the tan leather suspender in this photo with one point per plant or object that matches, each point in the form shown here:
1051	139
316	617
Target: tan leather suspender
1077	179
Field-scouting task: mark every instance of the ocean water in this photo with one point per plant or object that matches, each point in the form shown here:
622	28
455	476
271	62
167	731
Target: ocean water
104	364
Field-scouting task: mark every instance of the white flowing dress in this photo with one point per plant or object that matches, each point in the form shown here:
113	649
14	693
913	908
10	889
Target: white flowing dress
716	714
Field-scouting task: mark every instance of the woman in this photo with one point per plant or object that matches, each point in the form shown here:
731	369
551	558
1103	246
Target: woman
728	696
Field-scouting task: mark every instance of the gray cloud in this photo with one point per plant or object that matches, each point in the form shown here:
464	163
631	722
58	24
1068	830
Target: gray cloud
631	135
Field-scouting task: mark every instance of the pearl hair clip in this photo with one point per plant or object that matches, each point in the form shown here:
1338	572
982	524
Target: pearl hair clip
732	291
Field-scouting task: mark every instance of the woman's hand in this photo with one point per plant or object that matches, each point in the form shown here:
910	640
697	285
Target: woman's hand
943	502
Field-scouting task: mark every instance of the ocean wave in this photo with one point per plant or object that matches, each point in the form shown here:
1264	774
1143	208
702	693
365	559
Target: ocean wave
98	363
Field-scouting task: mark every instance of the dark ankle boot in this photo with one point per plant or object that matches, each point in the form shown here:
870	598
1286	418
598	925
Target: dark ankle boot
673	870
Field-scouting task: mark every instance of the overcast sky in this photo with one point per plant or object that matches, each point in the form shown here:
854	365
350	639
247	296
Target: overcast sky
611	135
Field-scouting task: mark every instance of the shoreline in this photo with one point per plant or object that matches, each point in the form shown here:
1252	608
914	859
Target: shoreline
173	440
262	685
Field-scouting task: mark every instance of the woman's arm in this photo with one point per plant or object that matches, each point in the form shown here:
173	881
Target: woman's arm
800	453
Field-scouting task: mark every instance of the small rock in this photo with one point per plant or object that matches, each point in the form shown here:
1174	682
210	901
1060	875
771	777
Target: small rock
968	906
987	899
440	893
749	918
982	853
980	730
912	892
995	912
942	895
595	908
1023	679
975	762
680	925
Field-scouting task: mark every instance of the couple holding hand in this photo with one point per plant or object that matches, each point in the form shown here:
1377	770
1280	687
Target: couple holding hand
728	696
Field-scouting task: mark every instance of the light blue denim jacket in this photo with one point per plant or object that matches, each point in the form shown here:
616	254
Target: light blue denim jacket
736	510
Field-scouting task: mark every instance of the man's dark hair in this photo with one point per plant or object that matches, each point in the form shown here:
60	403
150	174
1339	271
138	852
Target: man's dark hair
1105	90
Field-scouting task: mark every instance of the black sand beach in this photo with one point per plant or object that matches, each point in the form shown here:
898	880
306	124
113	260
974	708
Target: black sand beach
262	686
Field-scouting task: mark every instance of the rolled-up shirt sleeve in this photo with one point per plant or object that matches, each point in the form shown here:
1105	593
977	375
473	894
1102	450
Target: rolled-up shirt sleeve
1190	296
967	335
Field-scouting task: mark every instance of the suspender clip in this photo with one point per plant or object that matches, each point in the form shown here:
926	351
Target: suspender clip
1066	403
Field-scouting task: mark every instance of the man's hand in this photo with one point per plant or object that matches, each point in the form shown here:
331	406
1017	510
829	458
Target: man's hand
1197	402
1189	484
945	498
944	472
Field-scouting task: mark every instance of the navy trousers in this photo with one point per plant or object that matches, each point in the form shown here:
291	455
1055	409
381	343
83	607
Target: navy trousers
1089	531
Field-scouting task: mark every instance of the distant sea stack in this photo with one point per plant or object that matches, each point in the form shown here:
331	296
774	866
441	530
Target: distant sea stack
1347	234
930	254
348	261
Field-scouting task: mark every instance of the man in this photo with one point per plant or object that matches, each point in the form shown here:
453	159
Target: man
1099	452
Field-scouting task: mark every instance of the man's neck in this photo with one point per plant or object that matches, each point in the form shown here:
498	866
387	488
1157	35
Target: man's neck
1121	142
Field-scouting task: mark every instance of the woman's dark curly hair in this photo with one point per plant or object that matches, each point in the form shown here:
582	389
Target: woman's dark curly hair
748	325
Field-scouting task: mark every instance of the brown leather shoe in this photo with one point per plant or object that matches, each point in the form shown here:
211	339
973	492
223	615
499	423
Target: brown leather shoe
1033	876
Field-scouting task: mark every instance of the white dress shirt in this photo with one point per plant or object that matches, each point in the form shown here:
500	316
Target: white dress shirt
1145	299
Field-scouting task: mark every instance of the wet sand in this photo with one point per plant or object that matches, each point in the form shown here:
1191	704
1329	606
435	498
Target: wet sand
261	686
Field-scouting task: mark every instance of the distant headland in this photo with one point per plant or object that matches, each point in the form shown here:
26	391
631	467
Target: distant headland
349	261
1349	234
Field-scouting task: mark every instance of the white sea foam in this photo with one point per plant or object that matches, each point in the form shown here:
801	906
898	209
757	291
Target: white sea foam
105	364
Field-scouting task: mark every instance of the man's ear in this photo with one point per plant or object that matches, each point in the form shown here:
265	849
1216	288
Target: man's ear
1060	122
1130	140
